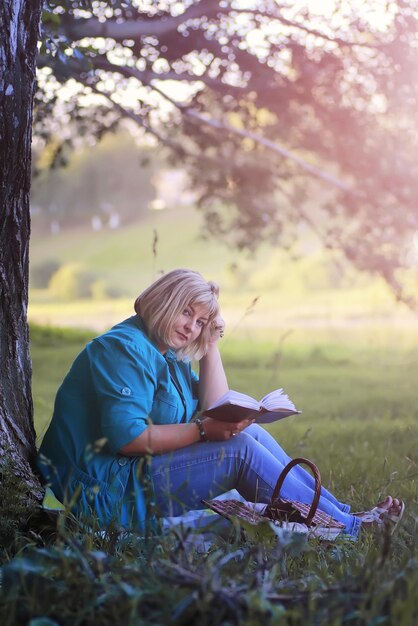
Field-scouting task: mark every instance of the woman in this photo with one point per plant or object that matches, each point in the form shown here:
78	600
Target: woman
124	420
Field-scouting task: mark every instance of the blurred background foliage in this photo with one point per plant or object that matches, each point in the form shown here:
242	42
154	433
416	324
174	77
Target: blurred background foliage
286	117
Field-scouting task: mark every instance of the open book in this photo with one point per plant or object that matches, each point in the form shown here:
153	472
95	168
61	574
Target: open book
235	406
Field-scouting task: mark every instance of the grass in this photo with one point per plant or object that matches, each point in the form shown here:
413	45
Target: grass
358	424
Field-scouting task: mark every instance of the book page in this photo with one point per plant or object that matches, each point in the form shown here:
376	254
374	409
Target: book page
235	397
277	399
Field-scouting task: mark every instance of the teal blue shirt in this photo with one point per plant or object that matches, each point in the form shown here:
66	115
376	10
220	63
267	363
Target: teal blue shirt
116	387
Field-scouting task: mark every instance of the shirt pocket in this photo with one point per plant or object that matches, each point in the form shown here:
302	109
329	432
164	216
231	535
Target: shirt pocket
94	497
165	408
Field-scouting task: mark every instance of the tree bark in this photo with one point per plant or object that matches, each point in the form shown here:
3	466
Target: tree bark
19	28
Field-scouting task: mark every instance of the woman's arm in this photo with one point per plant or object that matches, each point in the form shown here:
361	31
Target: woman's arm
160	439
168	437
212	378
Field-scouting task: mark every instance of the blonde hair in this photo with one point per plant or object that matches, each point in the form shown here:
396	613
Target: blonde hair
163	301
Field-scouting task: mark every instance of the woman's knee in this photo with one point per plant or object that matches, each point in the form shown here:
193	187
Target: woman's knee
245	446
261	435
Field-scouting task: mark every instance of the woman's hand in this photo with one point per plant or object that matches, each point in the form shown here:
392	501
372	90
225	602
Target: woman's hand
217	330
216	430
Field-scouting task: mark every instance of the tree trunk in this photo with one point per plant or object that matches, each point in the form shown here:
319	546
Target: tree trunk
19	30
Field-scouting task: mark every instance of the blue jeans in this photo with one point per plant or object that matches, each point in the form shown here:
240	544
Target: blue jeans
251	462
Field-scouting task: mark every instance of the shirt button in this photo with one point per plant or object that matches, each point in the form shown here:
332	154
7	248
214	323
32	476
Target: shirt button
125	391
122	461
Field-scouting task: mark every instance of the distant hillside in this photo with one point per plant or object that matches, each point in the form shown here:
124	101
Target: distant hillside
131	256
303	289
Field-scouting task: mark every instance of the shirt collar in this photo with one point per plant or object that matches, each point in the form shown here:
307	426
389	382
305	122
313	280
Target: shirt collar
170	355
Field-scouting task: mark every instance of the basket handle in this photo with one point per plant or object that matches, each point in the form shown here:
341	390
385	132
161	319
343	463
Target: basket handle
317	476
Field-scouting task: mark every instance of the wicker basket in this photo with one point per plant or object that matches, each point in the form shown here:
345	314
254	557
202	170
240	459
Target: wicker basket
279	510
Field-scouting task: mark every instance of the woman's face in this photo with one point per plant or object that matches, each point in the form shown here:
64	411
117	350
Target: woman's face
187	326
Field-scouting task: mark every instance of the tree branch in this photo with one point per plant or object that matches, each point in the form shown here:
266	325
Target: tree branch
145	76
133	29
259	139
309	31
78	28
137	119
